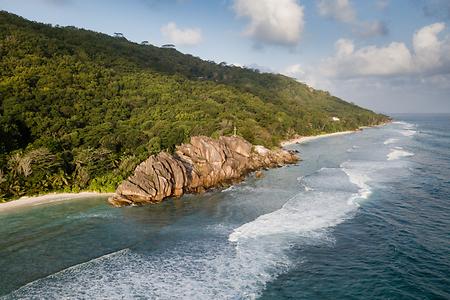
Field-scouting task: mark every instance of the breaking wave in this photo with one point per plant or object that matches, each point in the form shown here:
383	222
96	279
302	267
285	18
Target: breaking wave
407	129
217	269
236	263
332	197
390	141
408	132
397	153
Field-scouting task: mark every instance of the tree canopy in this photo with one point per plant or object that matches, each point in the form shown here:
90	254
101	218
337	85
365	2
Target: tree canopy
79	109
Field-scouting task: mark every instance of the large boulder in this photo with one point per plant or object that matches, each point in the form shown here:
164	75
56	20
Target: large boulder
194	167
237	144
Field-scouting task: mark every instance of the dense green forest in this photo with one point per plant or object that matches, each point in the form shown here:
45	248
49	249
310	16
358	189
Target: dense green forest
79	109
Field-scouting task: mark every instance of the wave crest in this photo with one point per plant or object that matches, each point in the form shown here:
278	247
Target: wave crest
398	153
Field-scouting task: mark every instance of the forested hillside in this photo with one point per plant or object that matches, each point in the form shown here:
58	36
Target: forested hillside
79	109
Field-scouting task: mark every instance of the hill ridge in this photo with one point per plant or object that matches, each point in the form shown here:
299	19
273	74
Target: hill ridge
79	109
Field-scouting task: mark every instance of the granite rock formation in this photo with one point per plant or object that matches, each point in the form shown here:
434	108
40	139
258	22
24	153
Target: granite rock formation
202	164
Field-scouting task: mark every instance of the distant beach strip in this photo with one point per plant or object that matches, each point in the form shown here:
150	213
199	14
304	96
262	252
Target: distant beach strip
48	198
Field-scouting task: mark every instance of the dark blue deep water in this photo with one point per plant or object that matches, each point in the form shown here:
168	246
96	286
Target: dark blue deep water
364	216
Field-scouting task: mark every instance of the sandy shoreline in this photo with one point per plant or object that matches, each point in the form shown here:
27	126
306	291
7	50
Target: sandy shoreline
48	198
305	139
56	197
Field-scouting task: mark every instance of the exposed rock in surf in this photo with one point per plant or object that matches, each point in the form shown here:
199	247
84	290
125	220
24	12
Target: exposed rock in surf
259	174
202	164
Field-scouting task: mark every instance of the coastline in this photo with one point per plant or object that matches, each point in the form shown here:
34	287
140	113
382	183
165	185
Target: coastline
57	197
196	166
47	198
304	139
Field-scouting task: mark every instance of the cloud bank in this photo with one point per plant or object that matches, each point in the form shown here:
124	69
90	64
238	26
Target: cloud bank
429	56
179	36
399	78
276	22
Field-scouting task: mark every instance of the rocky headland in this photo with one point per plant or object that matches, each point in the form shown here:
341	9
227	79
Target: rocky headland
195	167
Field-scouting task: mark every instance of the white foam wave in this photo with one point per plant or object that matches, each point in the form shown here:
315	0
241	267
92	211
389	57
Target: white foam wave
406	129
189	271
398	153
229	189
408	132
218	269
352	149
336	196
308	213
102	215
409	126
239	188
307	188
390	141
51	287
358	177
302	218
405	125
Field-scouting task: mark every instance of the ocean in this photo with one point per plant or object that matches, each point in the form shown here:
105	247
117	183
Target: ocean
364	216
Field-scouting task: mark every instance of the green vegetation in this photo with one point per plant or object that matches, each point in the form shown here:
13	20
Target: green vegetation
79	109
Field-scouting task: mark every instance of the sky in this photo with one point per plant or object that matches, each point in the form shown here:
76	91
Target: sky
392	56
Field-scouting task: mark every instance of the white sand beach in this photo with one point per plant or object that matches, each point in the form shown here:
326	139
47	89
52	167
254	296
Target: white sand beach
305	139
56	197
48	198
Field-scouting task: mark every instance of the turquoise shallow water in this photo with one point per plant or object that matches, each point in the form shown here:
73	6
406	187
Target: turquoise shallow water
364	216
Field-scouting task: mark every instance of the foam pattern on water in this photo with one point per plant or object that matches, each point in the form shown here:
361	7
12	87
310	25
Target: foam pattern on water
190	271
216	269
311	211
238	261
397	153
390	141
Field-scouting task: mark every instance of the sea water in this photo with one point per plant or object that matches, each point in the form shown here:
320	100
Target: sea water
363	216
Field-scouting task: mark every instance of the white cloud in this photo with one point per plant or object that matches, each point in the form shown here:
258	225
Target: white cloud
304	74
278	22
179	36
387	78
293	70
431	52
367	61
384	94
344	47
341	10
430	55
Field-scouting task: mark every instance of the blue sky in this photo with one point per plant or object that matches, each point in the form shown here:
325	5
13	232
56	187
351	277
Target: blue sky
387	55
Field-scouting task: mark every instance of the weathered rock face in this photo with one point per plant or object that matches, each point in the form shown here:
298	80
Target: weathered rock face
195	167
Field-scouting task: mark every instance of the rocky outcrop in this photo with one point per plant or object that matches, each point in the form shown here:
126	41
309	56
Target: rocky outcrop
202	164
